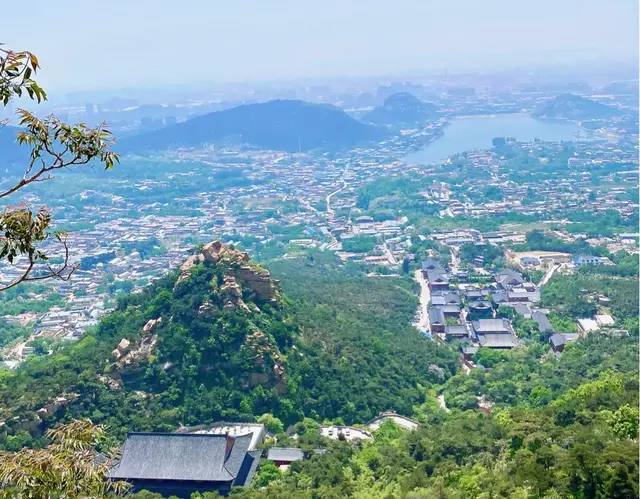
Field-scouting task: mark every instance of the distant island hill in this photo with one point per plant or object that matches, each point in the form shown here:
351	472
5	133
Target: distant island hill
299	126
574	107
285	125
402	108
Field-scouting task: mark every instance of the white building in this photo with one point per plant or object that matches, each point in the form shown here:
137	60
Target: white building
402	421
232	429
348	433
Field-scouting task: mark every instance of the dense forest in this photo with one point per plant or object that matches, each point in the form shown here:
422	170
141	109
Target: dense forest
582	443
563	427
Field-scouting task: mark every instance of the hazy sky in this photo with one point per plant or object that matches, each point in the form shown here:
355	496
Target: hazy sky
117	43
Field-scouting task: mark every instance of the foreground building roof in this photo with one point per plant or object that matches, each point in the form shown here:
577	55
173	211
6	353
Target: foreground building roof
187	457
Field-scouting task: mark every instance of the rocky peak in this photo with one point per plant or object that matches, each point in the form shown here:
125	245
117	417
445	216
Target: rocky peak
232	294
240	270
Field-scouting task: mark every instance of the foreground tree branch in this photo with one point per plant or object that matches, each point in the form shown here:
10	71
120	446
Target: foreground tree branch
54	146
79	145
66	468
63	272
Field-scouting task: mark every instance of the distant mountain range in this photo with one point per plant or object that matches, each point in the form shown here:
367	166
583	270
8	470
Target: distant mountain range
402	108
574	107
286	125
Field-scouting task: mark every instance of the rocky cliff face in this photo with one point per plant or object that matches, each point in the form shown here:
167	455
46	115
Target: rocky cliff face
129	355
240	271
264	355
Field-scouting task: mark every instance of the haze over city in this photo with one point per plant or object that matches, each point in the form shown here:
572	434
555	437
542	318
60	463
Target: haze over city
103	45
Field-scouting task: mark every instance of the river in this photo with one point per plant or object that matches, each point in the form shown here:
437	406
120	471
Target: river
465	134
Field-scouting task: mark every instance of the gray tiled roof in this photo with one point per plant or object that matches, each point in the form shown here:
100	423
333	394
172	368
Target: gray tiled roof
557	339
438	300
284	454
444	298
499	296
544	325
480	304
437	275
451	297
451	309
491	326
521	293
430	263
238	452
185	457
508	276
456	330
248	469
497	340
436	316
521	308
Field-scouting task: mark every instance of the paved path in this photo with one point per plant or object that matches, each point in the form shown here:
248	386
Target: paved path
425	298
328	199
306	204
387	251
442	403
455	258
547	277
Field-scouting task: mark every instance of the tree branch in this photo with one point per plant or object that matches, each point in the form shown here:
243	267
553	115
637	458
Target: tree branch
63	273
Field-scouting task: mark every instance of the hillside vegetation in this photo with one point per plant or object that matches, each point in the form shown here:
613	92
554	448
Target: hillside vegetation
219	341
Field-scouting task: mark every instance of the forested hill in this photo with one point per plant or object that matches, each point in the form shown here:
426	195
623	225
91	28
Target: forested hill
402	108
219	341
574	107
287	125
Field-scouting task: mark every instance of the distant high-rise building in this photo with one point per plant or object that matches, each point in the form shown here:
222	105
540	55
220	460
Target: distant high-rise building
89	109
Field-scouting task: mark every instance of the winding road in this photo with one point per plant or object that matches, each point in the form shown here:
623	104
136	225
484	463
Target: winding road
330	211
389	253
307	205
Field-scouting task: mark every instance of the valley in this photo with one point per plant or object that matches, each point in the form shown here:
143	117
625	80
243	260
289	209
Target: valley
362	295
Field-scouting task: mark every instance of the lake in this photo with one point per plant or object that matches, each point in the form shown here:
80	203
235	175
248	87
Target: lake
465	134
